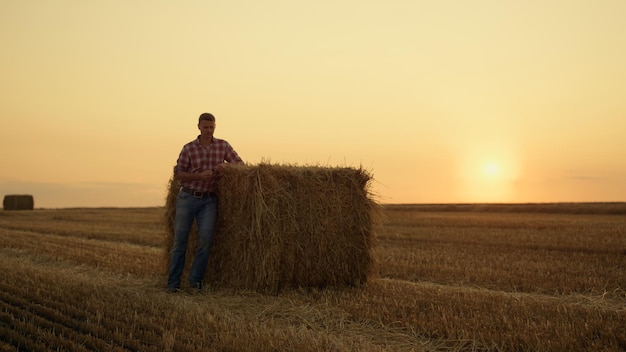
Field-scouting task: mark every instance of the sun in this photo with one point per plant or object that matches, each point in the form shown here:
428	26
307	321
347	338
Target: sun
488	172
491	169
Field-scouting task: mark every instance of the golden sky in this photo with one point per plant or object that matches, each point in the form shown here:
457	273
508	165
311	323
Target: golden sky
443	101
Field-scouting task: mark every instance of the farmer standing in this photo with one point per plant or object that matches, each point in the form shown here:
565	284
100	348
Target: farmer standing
196	170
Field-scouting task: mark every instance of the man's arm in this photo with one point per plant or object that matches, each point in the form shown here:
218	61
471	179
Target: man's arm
231	155
189	176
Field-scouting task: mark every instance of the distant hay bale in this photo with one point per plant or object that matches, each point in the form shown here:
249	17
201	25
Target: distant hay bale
18	202
288	226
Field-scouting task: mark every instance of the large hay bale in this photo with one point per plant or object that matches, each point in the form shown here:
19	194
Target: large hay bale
18	202
289	226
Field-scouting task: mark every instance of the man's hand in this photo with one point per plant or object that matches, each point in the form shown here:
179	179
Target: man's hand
220	166
205	175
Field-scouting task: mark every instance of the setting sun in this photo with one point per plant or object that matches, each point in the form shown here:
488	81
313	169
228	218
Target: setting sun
492	169
489	171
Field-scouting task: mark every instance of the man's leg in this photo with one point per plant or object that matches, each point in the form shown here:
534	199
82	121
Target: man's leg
184	219
206	218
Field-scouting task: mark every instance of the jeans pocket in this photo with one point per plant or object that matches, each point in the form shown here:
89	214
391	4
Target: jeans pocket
183	195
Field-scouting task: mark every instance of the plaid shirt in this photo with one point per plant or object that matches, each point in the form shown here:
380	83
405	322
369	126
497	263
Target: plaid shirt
195	158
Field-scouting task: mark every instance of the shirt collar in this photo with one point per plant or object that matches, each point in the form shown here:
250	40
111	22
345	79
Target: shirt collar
197	141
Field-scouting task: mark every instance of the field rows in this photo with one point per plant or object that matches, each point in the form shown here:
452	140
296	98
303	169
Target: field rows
544	271
122	313
137	226
446	282
45	312
116	257
536	253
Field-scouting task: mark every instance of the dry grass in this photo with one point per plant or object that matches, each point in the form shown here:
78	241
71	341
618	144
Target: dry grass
539	253
92	279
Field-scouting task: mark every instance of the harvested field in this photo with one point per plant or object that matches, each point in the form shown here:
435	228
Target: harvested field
449	280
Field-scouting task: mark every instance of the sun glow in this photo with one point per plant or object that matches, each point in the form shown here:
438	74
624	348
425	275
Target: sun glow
488	173
492	169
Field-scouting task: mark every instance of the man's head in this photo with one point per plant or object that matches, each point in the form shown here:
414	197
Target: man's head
206	124
206	116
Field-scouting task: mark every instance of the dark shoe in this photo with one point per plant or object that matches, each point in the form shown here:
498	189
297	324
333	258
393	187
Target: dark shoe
173	290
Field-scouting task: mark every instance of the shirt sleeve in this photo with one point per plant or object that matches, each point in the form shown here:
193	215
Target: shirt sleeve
183	162
231	155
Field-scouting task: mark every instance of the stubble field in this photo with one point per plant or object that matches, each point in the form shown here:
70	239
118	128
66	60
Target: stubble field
450	278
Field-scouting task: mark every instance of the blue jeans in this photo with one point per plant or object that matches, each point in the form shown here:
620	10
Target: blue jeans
188	208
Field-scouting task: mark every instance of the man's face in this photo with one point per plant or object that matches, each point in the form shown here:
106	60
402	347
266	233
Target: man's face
206	128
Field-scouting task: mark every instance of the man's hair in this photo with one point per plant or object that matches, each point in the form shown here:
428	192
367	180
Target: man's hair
206	116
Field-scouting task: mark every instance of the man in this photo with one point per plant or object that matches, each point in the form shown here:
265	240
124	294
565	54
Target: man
196	171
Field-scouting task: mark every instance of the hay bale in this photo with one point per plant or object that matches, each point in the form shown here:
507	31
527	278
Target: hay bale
18	202
289	226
